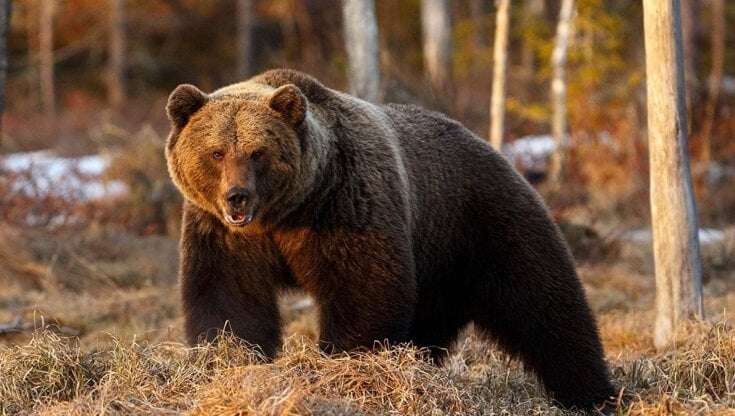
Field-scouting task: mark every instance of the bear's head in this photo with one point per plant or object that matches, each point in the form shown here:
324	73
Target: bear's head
237	153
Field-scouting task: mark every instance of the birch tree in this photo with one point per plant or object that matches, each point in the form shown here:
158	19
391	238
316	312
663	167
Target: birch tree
4	29
116	77
500	69
361	39
437	34
559	90
244	38
46	57
673	213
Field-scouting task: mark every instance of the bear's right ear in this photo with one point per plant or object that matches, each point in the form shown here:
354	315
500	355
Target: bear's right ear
183	102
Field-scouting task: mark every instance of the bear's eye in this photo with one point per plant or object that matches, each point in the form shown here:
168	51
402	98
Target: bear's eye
256	155
217	155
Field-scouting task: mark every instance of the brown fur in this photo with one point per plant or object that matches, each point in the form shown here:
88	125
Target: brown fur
399	221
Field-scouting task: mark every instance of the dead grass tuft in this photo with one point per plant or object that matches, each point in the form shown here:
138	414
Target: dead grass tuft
398	380
108	281
53	375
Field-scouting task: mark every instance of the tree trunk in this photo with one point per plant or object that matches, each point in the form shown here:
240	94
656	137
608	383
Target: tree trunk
559	91
116	78
244	38
46	57
500	69
361	38
715	78
4	29
673	212
437	33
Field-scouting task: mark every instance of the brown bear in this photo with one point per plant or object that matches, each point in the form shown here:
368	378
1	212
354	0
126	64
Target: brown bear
401	223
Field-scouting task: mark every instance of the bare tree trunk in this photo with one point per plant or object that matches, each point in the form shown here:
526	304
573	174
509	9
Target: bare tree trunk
500	69
674	216
4	29
244	38
437	33
715	78
559	91
361	38
46	58
116	77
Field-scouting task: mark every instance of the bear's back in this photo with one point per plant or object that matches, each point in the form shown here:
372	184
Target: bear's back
313	90
445	158
459	184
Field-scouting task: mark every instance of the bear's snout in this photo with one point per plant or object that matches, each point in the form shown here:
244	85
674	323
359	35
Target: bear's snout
237	197
240	207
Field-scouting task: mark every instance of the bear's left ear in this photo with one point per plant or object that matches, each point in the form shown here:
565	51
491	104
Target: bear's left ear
290	103
184	102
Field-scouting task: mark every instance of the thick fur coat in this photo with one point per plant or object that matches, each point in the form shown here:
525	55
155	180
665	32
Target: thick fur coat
400	223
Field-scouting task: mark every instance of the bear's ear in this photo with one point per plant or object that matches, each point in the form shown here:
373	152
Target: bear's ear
183	102
290	103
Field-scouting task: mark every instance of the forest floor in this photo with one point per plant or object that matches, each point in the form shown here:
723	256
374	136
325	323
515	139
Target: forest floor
90	324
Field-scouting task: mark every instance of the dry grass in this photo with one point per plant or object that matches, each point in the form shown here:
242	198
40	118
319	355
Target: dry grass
54	375
114	293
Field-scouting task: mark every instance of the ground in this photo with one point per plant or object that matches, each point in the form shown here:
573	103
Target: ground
107	339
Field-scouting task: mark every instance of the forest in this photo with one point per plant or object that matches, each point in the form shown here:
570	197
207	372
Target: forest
620	113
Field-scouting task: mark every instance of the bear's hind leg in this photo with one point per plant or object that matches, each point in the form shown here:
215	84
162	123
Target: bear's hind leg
549	326
438	323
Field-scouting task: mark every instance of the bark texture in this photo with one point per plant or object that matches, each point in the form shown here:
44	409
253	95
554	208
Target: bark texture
675	230
559	90
500	70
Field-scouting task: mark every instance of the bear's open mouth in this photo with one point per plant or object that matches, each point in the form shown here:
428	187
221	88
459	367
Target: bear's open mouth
239	218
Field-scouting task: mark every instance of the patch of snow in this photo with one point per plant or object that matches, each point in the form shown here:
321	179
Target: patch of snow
711	236
43	173
645	236
530	152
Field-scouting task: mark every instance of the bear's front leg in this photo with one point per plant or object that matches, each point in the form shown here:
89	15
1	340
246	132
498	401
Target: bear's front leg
228	282
368	292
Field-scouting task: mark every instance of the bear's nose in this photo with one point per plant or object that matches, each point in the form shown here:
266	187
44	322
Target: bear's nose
237	197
